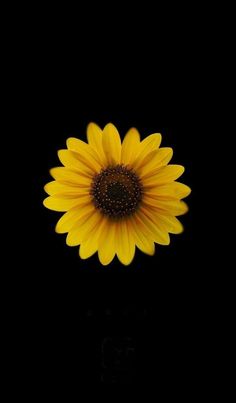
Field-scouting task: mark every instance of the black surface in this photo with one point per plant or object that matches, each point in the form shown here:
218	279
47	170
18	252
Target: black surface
140	323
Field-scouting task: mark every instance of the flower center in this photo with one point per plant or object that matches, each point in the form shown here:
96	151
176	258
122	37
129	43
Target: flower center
116	191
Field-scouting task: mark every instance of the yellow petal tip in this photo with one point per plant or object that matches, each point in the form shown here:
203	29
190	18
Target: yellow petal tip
46	202
52	170
110	126
93	125
45	188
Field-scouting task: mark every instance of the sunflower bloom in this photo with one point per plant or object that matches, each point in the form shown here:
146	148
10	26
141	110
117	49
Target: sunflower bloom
116	196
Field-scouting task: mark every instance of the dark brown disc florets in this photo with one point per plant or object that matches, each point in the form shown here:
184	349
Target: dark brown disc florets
116	191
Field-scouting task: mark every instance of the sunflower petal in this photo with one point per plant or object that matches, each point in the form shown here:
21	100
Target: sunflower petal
87	248
83	227
90	246
69	177
85	151
68	219
94	136
58	204
111	144
174	207
81	162
157	160
173	190
150	143
130	146
125	243
164	175
145	244
159	236
144	160
61	190
181	190
106	243
172	224
69	160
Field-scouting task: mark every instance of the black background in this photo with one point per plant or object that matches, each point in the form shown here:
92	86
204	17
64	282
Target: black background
155	301
90	323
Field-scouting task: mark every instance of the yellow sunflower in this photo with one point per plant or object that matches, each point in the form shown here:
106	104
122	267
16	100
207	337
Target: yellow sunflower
116	195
